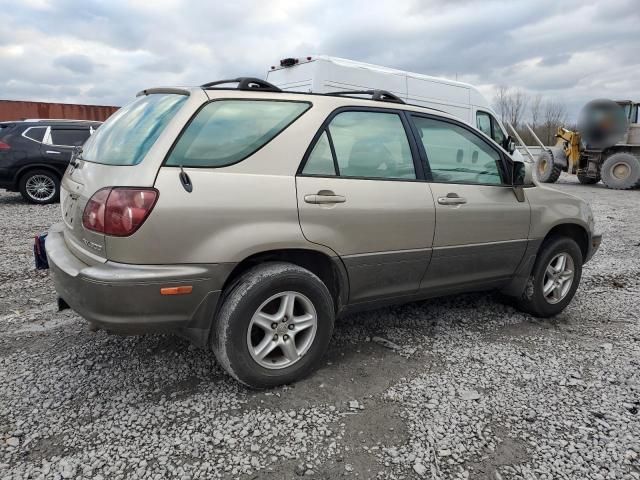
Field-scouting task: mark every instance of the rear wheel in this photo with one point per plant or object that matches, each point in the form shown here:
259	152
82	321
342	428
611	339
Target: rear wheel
583	179
554	279
274	325
621	171
40	187
548	165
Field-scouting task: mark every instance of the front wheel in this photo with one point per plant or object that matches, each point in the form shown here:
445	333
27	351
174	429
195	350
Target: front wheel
548	166
554	279
40	187
274	325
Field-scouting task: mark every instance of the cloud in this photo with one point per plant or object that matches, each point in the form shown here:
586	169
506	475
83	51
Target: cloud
75	63
105	52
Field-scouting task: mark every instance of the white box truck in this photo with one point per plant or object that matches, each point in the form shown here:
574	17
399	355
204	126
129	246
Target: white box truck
325	74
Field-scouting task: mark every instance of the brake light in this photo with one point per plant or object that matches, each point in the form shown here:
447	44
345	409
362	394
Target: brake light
4	146
118	211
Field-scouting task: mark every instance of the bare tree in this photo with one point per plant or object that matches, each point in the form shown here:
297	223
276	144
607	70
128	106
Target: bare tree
554	115
511	104
519	102
535	110
545	115
501	102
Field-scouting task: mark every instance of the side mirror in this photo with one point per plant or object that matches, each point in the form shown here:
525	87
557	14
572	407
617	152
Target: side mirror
522	174
509	145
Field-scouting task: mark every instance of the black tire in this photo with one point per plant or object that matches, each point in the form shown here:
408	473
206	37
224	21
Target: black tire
549	166
621	171
533	300
243	299
584	180
48	178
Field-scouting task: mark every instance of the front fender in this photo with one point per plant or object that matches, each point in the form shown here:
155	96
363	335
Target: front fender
550	208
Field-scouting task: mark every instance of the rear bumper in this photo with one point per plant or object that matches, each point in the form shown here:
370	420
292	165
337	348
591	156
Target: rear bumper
7	179
124	298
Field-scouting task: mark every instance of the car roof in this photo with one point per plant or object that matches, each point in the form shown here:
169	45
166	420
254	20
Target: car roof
339	99
35	122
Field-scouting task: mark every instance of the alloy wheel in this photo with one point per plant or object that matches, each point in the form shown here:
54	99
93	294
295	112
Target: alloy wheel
558	278
40	188
282	330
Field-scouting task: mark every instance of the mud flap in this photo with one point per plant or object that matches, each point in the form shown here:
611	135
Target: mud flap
39	253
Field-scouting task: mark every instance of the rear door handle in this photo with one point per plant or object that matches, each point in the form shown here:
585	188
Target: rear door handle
324	197
451	199
54	152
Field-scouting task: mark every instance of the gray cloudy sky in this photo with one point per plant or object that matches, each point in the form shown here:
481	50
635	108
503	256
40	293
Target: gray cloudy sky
103	52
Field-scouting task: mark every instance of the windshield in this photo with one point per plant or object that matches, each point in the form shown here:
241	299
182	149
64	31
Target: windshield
126	137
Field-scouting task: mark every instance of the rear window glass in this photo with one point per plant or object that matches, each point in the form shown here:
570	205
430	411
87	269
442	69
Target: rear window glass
128	134
71	137
228	131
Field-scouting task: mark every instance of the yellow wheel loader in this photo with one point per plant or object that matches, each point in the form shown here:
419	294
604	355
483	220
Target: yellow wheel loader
606	147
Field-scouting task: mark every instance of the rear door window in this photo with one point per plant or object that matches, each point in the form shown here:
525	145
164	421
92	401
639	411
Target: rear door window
366	144
225	132
69	137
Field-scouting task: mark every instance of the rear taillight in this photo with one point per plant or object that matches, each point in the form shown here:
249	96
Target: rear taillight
4	146
118	211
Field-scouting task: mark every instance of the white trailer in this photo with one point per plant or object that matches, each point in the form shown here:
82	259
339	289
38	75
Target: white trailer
325	74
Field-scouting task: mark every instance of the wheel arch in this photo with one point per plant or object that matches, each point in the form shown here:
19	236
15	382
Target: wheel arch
330	270
36	166
571	230
632	149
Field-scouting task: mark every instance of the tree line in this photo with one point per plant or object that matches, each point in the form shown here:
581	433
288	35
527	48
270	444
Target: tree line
544	115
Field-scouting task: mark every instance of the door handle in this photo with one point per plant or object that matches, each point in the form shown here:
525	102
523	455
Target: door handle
451	199
324	197
54	152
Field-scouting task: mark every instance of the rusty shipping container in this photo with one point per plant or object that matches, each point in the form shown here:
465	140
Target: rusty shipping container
19	110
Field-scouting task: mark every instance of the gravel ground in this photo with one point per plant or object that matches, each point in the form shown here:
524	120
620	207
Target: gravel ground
474	389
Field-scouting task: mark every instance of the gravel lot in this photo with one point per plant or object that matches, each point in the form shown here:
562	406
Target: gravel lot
476	390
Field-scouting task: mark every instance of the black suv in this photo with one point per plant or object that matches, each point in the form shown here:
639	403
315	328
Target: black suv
34	155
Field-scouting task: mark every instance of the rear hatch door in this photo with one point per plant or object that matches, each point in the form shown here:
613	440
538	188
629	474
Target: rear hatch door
126	151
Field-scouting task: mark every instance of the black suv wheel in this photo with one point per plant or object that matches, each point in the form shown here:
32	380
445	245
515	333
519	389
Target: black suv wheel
40	186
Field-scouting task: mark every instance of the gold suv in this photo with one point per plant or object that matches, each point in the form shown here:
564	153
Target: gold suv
247	218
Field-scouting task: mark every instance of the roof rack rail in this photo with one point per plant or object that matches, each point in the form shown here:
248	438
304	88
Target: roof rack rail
379	95
246	83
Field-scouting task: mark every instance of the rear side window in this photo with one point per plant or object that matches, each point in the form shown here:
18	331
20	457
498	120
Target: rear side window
35	133
128	134
366	145
70	137
228	131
